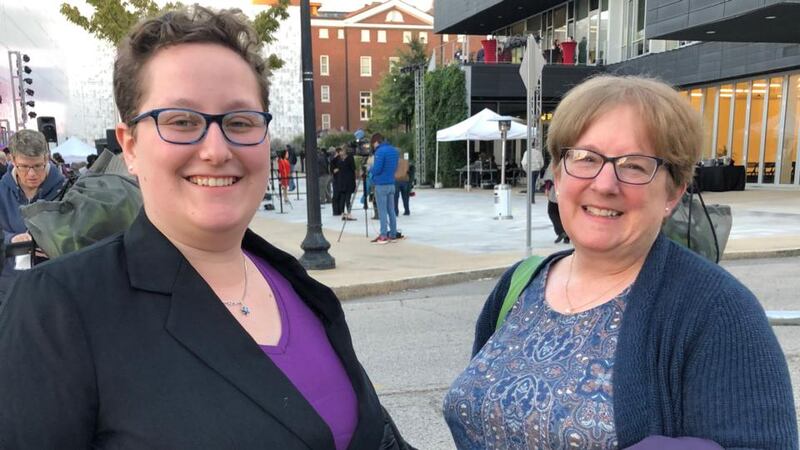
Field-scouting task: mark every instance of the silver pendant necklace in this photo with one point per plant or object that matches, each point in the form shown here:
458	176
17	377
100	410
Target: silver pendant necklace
243	308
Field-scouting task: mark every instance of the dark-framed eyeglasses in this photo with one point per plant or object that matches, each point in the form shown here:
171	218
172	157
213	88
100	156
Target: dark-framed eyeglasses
185	126
630	169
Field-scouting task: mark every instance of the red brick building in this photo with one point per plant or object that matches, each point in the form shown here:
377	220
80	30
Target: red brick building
353	51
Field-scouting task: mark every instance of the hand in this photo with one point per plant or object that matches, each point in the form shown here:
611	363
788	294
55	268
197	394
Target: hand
22	237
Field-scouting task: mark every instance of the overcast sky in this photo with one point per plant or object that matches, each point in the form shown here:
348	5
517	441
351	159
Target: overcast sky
352	5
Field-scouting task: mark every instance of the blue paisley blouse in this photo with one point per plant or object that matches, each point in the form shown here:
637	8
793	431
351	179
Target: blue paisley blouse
542	381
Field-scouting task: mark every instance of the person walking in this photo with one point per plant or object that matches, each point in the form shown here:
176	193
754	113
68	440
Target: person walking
383	170
533	171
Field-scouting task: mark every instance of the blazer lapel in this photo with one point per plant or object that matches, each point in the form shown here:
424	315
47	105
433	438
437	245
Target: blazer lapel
199	321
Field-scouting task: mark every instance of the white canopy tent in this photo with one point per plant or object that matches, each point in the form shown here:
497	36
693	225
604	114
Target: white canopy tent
74	150
480	127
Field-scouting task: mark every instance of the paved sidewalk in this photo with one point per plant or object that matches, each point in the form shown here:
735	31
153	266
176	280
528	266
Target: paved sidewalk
453	237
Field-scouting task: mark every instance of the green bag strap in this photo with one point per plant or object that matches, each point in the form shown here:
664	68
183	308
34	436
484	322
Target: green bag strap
519	279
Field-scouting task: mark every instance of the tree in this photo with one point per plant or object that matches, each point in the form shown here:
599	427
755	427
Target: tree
112	19
394	100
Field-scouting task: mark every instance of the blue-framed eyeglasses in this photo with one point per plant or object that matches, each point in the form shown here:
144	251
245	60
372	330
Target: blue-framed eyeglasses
630	169
185	126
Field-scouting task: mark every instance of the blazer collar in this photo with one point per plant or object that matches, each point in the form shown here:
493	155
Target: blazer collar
199	321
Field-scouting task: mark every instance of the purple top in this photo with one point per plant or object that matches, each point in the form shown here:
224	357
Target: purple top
307	358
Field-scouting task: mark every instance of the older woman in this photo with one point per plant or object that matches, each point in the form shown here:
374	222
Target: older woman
630	339
188	331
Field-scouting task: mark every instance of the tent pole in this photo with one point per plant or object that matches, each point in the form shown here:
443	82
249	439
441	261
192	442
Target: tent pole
469	184
436	169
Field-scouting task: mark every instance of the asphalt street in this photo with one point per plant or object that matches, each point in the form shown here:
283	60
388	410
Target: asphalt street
414	343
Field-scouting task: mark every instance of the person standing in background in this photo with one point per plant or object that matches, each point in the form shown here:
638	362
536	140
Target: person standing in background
533	171
402	186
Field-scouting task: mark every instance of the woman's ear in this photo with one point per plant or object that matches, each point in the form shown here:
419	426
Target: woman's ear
674	195
127	140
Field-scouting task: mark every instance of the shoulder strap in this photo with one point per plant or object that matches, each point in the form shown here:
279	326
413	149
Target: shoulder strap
519	279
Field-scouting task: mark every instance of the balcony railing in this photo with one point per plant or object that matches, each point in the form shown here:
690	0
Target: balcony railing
507	50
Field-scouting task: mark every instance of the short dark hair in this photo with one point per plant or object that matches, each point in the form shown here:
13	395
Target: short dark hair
228	27
377	138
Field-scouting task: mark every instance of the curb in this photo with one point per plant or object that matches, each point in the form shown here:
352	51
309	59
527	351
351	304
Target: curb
356	291
386	287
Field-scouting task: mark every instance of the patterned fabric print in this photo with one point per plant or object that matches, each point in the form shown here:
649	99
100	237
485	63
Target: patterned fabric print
543	381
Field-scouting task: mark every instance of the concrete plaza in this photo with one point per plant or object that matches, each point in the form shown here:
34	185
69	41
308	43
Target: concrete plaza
452	237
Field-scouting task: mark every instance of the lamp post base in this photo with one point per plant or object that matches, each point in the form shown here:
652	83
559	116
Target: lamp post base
316	256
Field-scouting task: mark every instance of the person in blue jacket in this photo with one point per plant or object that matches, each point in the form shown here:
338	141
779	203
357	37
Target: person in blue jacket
383	169
31	178
630	341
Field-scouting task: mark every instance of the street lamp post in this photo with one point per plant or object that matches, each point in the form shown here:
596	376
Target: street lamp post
315	246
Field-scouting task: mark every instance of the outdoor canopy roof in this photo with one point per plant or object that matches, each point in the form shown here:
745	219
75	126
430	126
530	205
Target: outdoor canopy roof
74	150
481	127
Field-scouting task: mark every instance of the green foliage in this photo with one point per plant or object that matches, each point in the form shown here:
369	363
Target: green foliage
402	140
445	105
112	19
394	99
334	139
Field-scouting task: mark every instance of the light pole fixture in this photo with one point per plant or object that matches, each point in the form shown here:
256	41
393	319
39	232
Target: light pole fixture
315	246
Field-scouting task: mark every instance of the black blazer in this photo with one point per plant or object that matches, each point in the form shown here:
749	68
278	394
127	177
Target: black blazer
123	345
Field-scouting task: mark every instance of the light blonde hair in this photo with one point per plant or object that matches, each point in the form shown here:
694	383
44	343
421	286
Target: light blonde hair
673	127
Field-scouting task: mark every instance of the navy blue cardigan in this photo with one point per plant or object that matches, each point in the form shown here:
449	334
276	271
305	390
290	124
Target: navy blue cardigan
696	357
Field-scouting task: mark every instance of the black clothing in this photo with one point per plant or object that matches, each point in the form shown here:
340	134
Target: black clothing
124	345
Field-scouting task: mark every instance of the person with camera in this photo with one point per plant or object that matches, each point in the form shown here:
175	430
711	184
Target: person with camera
32	178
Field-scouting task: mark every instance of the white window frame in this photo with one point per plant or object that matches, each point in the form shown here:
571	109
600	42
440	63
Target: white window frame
407	37
395	16
324	65
365	105
325	121
325	93
423	37
365	62
446	38
393	62
382	36
340	33
323	33
365	35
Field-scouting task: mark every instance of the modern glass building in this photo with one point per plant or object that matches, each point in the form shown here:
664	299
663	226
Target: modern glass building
737	61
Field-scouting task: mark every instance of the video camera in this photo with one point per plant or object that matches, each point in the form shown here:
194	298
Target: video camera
359	147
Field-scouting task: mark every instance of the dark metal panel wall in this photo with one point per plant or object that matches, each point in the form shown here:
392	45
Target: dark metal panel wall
713	61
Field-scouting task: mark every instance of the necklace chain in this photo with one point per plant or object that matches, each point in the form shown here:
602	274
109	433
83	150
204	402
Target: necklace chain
244	309
571	309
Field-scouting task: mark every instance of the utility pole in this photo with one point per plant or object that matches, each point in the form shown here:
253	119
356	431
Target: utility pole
315	246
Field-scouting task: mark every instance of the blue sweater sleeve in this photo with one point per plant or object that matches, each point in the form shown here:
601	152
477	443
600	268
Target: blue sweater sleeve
737	390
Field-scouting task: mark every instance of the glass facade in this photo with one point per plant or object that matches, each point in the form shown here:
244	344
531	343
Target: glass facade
755	122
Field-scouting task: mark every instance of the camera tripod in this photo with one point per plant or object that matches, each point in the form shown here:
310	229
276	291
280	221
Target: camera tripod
362	181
